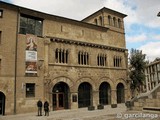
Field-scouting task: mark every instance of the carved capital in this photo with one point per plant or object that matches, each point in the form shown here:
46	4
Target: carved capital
47	41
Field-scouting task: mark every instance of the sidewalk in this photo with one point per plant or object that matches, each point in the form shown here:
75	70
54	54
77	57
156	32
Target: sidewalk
107	113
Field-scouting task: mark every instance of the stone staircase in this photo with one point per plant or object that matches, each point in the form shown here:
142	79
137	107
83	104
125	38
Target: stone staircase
149	101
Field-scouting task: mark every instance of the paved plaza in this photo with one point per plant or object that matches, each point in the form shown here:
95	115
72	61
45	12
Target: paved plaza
107	113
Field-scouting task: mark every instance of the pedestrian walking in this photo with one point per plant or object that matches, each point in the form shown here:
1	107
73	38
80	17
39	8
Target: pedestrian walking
46	108
39	105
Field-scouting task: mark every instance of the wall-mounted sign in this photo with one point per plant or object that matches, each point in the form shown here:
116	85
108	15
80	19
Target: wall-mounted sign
31	54
74	98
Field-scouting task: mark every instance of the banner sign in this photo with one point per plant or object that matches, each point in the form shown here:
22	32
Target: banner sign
31	54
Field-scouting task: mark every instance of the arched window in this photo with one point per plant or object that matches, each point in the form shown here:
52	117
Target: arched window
114	22
61	56
101	21
96	22
119	23
109	20
101	60
83	58
117	61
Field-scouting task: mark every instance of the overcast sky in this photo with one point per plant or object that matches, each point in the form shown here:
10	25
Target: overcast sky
142	26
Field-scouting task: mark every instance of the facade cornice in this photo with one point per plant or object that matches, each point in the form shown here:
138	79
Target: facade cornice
87	44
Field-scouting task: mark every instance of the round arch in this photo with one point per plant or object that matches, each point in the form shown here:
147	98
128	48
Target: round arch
60	96
105	79
120	80
120	93
89	80
64	79
105	93
84	95
60	88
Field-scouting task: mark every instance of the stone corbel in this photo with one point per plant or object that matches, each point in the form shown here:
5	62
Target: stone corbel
47	41
47	81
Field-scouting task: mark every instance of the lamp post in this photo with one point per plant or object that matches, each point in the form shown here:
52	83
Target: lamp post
158	14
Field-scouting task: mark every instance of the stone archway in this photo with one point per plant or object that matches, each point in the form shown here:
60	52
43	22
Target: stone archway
120	93
59	87
60	96
2	103
105	93
84	95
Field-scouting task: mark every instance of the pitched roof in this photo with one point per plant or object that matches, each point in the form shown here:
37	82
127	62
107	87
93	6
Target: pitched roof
104	9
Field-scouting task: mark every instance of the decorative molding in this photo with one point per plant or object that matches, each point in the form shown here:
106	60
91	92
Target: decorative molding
47	41
81	43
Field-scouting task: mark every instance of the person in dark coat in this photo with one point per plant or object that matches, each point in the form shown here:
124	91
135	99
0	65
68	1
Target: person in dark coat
39	105
46	108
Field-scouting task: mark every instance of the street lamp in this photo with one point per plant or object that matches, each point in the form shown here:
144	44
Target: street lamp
158	14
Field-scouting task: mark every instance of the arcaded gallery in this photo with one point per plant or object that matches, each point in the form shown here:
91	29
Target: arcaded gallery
72	64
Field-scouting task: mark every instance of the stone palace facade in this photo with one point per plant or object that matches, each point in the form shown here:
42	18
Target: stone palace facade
70	63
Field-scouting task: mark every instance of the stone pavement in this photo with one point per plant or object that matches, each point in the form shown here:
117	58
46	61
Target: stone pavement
107	113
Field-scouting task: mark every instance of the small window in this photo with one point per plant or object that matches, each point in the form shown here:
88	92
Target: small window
101	60
30	89
114	22
117	61
61	56
83	58
101	21
1	13
0	65
0	37
96	22
119	23
109	20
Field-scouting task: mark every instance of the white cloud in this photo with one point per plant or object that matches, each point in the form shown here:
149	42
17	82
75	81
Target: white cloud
138	11
138	38
156	37
74	9
151	49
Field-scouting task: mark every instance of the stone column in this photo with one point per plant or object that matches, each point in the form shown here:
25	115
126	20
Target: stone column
114	98
74	100
46	57
95	98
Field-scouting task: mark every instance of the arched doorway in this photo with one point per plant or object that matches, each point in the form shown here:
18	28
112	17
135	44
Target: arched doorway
84	95
2	103
104	93
120	93
60	96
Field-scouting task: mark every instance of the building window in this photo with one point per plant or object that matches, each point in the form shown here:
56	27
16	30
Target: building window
117	61
119	23
0	65
101	21
109	20
30	89
96	22
114	22
0	37
30	25
83	58
61	55
101	60
1	13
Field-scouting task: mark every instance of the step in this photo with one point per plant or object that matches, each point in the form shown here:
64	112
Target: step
151	109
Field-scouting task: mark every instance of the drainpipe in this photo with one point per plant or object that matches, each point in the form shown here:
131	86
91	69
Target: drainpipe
15	74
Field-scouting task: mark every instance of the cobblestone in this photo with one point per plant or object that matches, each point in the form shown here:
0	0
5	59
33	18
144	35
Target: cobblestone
107	113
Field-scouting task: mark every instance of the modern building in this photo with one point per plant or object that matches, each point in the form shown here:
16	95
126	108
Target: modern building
70	63
152	72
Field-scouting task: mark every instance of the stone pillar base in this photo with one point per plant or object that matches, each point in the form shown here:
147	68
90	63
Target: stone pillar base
113	105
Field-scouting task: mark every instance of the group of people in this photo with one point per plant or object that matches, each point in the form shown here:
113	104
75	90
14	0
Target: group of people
46	108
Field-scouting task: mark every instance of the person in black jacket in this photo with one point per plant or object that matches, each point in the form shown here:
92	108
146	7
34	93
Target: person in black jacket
46	108
39	105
